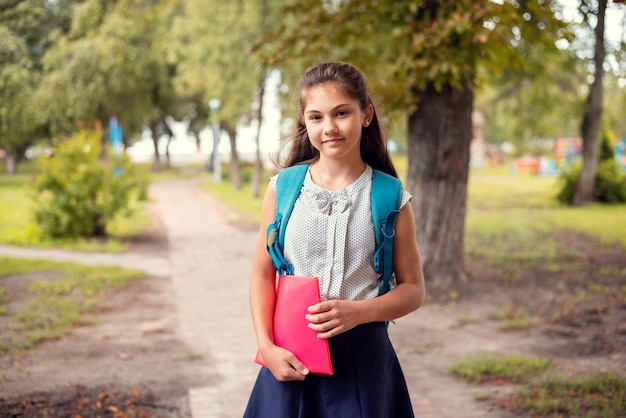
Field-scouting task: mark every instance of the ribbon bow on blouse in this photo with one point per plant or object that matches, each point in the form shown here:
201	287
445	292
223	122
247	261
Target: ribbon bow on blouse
330	202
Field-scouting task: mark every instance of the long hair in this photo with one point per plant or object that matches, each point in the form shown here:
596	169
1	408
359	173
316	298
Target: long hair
352	83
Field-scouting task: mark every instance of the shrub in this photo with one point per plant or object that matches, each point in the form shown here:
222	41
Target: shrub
610	182
568	178
607	138
76	194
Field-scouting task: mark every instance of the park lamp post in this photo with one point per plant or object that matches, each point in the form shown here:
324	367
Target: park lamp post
214	105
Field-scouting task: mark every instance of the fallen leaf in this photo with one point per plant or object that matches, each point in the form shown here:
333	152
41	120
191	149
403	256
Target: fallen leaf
597	396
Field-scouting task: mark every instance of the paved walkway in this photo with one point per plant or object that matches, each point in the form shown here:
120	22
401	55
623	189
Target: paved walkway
209	264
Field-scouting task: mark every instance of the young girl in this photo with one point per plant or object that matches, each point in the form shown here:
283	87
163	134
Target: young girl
330	235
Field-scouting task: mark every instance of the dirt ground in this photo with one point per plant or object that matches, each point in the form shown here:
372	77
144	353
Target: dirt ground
131	363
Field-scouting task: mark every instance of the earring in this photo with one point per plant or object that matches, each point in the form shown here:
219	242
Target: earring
366	123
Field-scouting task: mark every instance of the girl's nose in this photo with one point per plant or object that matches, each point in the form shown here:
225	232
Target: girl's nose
330	127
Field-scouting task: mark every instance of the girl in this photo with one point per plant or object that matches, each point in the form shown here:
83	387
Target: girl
330	235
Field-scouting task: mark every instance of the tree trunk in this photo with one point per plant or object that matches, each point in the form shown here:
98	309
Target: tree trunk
170	136
103	126
590	129
258	164
235	167
440	132
168	159
156	165
10	162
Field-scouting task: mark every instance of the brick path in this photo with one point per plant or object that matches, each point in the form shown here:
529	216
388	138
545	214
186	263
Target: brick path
209	264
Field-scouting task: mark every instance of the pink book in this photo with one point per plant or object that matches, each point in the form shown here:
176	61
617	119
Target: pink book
294	294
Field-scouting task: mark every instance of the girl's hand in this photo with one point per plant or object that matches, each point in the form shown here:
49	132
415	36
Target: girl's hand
333	317
283	364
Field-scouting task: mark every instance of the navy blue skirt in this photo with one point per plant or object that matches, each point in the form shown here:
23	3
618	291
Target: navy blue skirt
367	383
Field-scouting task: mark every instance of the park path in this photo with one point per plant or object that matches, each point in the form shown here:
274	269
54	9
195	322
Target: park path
209	262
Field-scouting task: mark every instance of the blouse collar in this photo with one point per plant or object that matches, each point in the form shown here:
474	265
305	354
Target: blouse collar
336	201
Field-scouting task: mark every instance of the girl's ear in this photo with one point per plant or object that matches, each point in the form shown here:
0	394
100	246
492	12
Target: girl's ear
368	114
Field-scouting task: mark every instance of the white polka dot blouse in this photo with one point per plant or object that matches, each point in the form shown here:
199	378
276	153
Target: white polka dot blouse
330	235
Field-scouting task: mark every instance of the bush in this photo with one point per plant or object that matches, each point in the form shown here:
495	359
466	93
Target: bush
568	178
610	183
607	138
77	195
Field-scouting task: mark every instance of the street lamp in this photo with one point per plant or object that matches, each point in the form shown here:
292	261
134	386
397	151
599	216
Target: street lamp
214	105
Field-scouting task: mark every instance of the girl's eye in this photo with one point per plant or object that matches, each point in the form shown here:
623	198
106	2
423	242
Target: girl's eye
315	117
342	113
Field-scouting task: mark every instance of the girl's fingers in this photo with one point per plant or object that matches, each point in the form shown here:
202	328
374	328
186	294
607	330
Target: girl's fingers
321	312
298	367
324	326
289	368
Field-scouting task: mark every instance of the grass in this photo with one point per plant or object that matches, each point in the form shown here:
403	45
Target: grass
520	213
482	368
60	296
541	393
239	200
513	318
602	395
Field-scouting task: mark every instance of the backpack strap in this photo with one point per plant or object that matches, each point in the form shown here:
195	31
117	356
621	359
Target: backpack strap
288	186
385	199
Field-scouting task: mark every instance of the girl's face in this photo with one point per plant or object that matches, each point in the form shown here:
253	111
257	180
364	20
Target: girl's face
334	121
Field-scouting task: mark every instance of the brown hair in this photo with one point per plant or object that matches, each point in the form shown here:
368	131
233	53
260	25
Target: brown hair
350	80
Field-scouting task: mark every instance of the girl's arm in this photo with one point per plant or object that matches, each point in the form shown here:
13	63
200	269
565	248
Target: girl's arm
282	363
336	316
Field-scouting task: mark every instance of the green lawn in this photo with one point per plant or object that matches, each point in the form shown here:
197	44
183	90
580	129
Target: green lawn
15	208
519	212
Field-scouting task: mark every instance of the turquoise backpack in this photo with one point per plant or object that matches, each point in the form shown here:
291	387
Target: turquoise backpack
385	198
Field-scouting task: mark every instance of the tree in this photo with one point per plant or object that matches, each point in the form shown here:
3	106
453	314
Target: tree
166	105
423	57
615	104
210	44
27	28
106	65
592	118
537	101
17	82
267	17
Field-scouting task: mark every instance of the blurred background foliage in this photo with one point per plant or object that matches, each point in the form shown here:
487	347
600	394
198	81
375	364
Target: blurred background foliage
67	64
